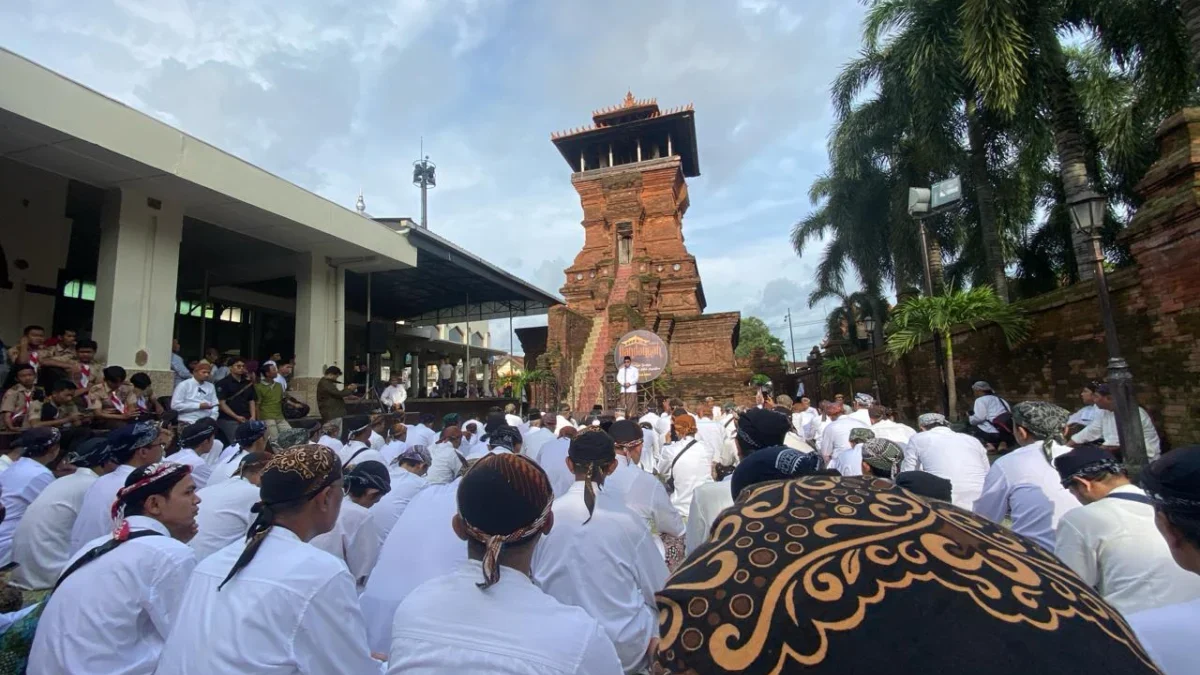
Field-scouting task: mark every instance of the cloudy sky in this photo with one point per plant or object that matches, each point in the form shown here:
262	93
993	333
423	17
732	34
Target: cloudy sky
335	95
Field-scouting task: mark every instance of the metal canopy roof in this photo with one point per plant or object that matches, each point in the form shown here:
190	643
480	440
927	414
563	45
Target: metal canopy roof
447	285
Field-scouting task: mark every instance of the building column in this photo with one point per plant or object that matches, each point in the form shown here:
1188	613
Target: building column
320	323
136	279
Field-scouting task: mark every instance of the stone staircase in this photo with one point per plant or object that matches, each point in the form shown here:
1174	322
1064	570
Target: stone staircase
592	363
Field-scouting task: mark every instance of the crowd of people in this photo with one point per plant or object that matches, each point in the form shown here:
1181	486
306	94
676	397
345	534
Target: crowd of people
217	536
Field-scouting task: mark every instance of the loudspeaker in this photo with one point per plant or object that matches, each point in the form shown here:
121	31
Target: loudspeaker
377	338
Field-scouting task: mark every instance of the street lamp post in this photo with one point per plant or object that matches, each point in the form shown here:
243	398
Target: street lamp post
1088	210
869	324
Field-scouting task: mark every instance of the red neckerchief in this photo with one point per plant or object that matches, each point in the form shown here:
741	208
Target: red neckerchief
85	374
116	402
34	358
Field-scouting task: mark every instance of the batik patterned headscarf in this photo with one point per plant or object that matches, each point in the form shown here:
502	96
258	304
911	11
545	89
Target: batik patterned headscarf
591	451
290	478
882	454
503	499
505	436
1044	420
148	480
368	475
806	575
861	434
931	420
415	453
291	437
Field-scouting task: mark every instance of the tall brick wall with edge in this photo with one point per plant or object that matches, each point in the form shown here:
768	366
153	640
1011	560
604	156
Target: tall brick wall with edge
1156	305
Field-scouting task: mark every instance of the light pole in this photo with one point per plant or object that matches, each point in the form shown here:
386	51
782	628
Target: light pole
791	336
1088	210
869	324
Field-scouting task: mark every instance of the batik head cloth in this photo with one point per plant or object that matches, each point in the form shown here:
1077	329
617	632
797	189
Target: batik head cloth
591	452
758	428
130	438
1173	481
291	437
772	464
291	477
503	499
931	420
36	441
861	434
1086	460
864	399
806	575
415	453
1044	420
142	483
368	475
92	452
504	437
196	433
884	455
249	432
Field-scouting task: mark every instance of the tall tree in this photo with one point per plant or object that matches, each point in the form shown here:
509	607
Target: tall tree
919	319
753	332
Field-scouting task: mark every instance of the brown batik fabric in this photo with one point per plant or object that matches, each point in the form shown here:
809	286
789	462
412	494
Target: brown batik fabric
855	575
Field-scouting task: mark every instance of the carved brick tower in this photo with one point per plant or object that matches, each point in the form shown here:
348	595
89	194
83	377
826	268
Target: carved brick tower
634	270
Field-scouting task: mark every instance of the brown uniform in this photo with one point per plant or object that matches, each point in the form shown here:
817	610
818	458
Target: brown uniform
122	401
19	401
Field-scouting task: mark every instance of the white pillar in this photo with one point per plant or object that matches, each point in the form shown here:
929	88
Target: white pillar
137	273
639	149
670	151
320	319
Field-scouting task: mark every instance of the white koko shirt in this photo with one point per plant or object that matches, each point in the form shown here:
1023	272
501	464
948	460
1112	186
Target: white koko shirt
354	540
608	566
645	495
627	377
385	512
113	614
1169	636
187	398
1114	546
692	470
224	516
959	458
20	485
42	542
95	516
291	610
1023	486
450	626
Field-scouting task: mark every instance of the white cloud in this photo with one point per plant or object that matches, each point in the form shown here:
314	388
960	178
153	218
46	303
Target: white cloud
335	95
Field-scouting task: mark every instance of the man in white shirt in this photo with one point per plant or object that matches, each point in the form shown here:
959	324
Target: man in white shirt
1084	416
420	547
537	435
354	539
395	395
196	398
358	442
448	462
196	440
687	463
1104	427
118	599
601	556
836	436
445	379
1169	633
133	446
803	415
42	542
988	408
886	429
251	437
1111	542
848	461
959	458
21	484
553	460
422	432
330	436
1022	485
862	407
276	604
487	616
709	431
627	379
226	508
641	491
407	473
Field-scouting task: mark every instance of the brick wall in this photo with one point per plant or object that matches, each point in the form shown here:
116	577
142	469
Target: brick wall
1156	305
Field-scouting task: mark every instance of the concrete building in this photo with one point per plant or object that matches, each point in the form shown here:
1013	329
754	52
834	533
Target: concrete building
133	232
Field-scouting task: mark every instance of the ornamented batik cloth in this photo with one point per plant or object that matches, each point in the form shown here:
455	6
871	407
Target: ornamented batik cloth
854	575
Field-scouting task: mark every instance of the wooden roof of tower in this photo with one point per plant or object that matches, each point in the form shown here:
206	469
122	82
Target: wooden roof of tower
632	117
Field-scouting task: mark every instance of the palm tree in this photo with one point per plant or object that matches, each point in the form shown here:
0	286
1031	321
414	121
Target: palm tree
918	319
843	369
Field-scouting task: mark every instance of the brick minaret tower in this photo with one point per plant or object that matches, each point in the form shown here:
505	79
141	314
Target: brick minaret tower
634	272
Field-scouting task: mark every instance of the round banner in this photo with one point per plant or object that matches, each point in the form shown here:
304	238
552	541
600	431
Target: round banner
647	352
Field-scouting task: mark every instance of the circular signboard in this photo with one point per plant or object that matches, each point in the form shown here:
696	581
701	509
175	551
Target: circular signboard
646	350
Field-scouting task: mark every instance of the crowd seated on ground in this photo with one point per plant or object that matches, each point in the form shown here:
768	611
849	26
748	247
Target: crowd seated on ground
146	535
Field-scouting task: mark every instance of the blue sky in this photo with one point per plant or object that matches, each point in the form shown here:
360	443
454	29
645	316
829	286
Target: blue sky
335	95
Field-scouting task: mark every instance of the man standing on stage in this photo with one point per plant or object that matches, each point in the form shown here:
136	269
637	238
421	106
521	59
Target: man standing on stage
627	377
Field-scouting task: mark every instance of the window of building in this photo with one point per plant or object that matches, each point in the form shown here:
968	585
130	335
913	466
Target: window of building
456	335
80	290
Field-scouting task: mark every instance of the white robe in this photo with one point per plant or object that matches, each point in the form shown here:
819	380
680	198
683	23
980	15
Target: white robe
19	487
553	460
609	567
420	547
385	512
291	610
113	614
95	516
354	540
224	515
533	440
708	502
448	626
42	542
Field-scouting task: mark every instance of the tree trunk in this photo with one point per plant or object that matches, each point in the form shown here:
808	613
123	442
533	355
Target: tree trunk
1071	148
937	271
1191	22
951	390
985	194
